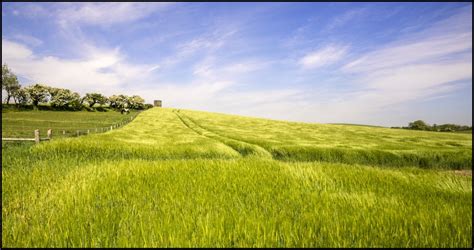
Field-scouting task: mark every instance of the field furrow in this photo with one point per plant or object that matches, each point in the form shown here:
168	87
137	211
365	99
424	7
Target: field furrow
243	148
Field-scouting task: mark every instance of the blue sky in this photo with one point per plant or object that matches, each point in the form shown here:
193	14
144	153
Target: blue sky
370	63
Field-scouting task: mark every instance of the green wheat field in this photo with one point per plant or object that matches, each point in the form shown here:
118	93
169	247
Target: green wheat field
182	178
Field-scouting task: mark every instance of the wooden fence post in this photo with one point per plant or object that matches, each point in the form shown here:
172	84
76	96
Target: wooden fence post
78	133
50	134
111	127
64	132
88	131
37	136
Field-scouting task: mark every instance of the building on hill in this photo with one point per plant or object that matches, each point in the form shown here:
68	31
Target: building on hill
157	103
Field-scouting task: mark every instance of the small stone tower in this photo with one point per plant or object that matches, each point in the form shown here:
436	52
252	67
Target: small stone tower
157	103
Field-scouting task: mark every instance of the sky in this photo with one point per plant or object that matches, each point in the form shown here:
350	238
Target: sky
381	64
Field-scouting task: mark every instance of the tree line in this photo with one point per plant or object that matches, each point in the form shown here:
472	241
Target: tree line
60	98
421	125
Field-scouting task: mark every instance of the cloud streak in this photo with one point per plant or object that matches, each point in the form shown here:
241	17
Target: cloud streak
99	70
412	69
105	14
341	20
431	48
30	40
322	57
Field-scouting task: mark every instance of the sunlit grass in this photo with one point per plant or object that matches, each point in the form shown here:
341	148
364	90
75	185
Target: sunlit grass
184	179
291	141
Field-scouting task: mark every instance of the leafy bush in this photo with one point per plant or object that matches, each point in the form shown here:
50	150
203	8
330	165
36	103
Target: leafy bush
421	125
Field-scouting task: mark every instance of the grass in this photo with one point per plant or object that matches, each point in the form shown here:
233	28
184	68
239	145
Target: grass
23	123
464	131
192	179
341	143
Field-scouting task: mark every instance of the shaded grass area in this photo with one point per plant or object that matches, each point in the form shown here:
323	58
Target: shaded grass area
175	179
422	158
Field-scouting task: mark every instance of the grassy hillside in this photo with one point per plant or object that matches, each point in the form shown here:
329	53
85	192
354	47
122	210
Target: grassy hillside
23	123
340	143
188	178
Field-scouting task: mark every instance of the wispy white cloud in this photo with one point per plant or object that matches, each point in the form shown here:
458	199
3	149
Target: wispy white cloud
154	68
219	96
106	13
400	53
106	71
30	40
381	84
417	78
31	10
346	17
416	67
97	70
217	86
206	45
211	68
324	56
14	51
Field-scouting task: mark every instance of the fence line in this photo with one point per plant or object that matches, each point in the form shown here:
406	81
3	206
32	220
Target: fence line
20	127
75	132
37	138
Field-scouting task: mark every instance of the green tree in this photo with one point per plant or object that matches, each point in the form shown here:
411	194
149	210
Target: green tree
65	98
53	92
93	98
418	125
37	93
5	74
119	101
113	101
21	96
123	102
9	82
82	100
75	101
136	102
103	100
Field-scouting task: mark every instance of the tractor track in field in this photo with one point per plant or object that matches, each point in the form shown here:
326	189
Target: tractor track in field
241	147
191	128
201	133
